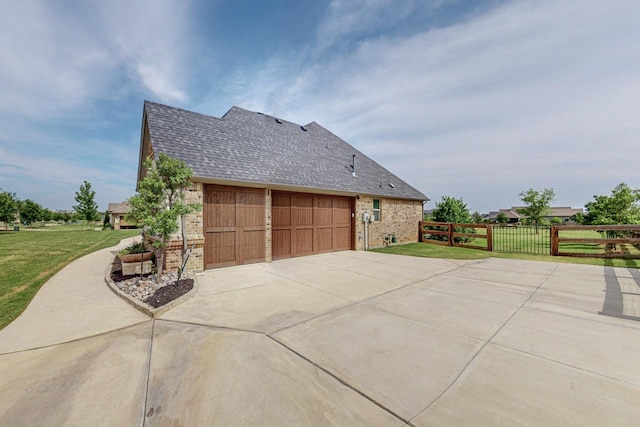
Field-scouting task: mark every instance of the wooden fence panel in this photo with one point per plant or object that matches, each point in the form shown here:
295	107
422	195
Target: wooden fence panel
453	235
625	246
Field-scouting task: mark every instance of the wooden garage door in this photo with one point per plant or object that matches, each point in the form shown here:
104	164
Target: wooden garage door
234	226
305	224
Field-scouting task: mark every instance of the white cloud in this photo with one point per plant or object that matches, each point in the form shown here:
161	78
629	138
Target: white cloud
528	94
55	58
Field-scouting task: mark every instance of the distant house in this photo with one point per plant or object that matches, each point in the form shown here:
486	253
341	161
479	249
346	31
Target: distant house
272	189
564	213
118	214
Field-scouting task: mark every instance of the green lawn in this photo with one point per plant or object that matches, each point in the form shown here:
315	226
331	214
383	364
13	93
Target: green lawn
439	251
28	258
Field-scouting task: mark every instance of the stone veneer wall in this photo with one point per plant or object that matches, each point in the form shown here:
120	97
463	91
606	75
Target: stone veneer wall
195	234
399	217
268	230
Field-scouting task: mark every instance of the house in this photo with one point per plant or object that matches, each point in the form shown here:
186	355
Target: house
272	189
117	215
564	213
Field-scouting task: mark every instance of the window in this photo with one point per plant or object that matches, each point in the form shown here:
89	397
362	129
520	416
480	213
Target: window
376	209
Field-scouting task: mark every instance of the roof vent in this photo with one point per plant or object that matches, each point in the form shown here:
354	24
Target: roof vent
303	128
353	166
391	185
278	121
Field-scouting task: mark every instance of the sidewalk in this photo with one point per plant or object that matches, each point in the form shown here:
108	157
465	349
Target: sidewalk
73	304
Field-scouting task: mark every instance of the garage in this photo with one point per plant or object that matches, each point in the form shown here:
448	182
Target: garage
234	225
306	224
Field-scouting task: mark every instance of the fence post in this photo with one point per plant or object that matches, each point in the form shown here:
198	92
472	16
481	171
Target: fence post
490	237
420	227
554	240
450	234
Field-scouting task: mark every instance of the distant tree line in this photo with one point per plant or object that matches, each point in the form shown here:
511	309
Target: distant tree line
14	210
621	207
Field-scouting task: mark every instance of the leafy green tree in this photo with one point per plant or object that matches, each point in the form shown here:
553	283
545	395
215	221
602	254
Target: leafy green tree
556	220
8	208
621	207
160	201
502	218
578	218
30	211
46	214
450	209
476	218
537	205
87	208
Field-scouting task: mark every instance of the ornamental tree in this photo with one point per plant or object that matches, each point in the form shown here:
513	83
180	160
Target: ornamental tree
87	208
160	202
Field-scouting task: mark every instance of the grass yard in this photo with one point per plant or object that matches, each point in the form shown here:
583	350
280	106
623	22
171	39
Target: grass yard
452	252
28	259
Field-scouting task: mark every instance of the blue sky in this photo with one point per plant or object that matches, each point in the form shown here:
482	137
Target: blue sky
473	99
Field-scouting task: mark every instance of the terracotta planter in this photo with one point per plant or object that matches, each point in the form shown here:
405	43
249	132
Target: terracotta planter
146	256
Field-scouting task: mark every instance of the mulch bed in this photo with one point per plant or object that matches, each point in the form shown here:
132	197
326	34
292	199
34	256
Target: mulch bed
168	293
163	295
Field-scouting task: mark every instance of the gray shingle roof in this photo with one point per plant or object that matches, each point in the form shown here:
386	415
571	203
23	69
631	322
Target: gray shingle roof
245	146
123	207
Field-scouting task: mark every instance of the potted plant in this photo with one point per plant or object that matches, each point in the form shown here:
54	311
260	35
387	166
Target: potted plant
135	252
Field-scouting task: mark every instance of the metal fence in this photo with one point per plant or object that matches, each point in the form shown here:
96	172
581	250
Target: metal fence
522	239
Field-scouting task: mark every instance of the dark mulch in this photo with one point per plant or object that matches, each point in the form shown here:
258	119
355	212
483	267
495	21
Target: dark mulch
162	296
168	293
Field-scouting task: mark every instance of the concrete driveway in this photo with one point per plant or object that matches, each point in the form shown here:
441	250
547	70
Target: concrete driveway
351	338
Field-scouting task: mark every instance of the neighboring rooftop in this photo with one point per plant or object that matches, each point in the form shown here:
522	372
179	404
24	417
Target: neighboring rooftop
560	212
249	147
123	207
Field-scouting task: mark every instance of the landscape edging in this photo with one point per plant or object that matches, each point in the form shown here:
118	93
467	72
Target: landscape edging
141	305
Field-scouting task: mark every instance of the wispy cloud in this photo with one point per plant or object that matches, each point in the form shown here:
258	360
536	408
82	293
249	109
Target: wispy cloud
527	94
55	58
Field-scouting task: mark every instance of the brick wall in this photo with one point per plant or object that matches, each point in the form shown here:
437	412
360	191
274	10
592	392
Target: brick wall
398	217
195	235
268	230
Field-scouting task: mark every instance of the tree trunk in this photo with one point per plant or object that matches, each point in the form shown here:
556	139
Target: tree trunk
160	262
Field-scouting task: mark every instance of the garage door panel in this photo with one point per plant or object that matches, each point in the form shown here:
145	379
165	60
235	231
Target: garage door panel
342	238
222	247
251	208
225	212
324	239
280	210
304	241
342	212
303	210
234	225
253	245
324	211
304	224
281	244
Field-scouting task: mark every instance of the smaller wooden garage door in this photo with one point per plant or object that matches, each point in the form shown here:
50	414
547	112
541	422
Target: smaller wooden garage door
306	224
234	226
